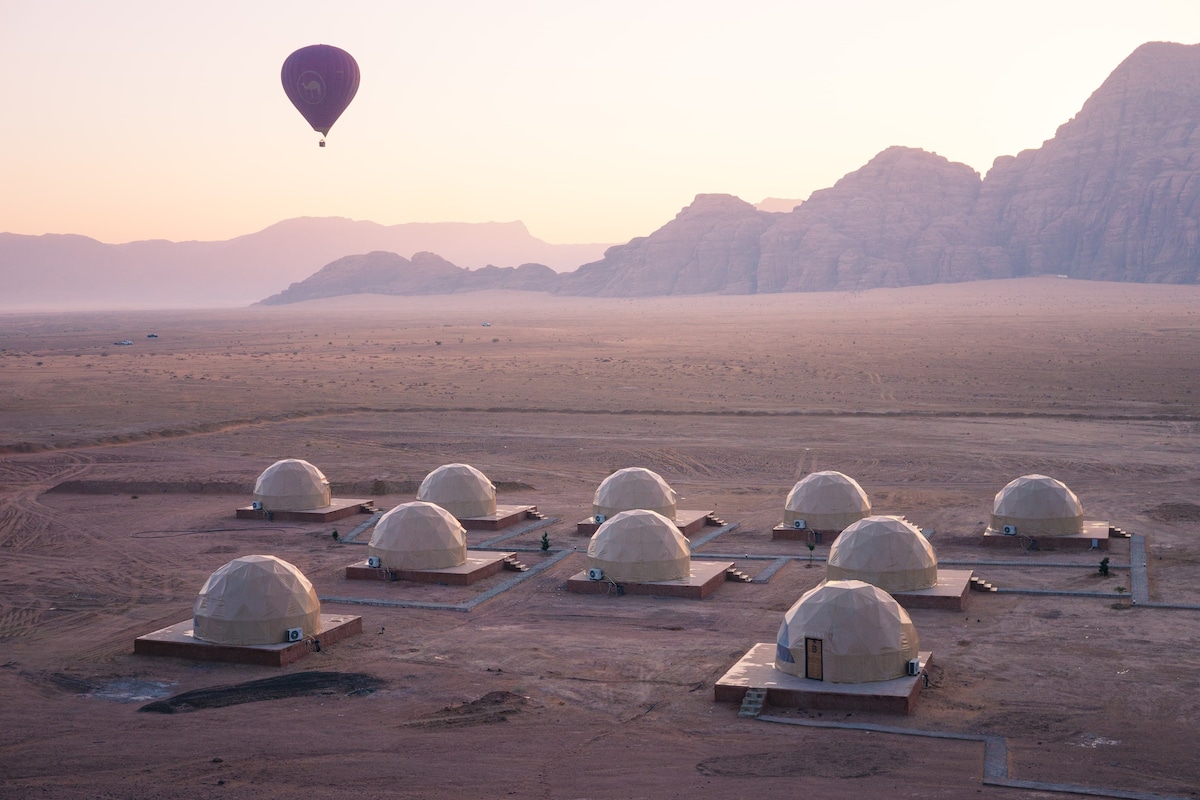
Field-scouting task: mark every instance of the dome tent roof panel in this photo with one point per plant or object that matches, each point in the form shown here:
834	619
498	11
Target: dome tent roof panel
292	484
634	488
865	634
253	600
885	551
461	489
418	535
828	500
1038	505
642	546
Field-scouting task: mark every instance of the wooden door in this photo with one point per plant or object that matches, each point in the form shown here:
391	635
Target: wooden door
812	659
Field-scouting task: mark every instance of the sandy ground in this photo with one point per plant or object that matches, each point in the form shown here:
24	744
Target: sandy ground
932	398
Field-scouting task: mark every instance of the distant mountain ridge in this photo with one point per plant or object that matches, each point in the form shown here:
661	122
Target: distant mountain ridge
1114	195
64	270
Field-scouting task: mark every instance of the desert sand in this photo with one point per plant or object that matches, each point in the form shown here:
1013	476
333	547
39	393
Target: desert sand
121	467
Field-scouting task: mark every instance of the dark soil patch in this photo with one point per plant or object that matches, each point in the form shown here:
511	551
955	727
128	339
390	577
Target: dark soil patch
277	688
1175	512
492	707
818	759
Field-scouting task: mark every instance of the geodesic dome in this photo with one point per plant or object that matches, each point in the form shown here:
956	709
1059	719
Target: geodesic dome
418	536
887	552
863	632
826	501
640	545
254	600
460	489
631	488
292	484
1038	506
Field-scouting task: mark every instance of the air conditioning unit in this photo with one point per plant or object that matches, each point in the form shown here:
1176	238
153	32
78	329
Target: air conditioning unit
1010	530
256	505
599	519
294	635
798	524
373	562
913	667
595	574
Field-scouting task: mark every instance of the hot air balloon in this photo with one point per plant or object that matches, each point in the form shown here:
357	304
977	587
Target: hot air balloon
320	80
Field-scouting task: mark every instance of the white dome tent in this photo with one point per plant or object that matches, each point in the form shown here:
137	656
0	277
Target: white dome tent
827	501
640	545
292	484
846	632
888	552
1037	505
460	489
418	536
634	488
254	600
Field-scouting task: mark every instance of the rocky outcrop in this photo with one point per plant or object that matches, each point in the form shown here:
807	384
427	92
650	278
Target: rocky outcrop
895	222
1115	195
426	273
710	246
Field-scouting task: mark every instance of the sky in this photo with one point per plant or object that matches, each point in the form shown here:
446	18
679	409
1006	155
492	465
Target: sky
587	121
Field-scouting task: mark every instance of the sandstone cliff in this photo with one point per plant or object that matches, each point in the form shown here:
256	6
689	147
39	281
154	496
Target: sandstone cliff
1115	195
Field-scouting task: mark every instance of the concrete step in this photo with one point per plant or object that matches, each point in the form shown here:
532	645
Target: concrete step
713	520
734	574
753	702
516	566
978	584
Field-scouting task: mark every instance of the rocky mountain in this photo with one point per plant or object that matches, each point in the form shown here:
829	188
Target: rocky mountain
1115	195
381	272
65	271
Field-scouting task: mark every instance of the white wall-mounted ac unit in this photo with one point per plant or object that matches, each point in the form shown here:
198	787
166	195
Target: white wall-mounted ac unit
373	562
599	519
1010	530
798	524
595	574
913	667
256	505
294	635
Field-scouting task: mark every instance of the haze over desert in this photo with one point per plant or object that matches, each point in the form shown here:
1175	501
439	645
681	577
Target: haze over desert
933	398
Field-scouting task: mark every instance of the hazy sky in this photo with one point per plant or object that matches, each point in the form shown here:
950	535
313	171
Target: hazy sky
590	122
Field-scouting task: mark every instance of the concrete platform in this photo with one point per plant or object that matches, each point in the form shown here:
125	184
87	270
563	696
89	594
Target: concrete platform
1095	536
337	509
505	517
178	641
950	592
756	670
480	564
688	521
786	533
706	578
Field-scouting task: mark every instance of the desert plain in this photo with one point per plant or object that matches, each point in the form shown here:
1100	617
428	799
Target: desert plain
121	467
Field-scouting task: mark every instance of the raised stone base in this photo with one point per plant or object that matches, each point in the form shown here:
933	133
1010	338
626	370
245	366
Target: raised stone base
950	592
756	670
337	509
786	533
706	578
1095	536
178	641
687	520
480	564
505	517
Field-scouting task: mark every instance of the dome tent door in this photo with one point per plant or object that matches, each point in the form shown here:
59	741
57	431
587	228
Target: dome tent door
812	659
